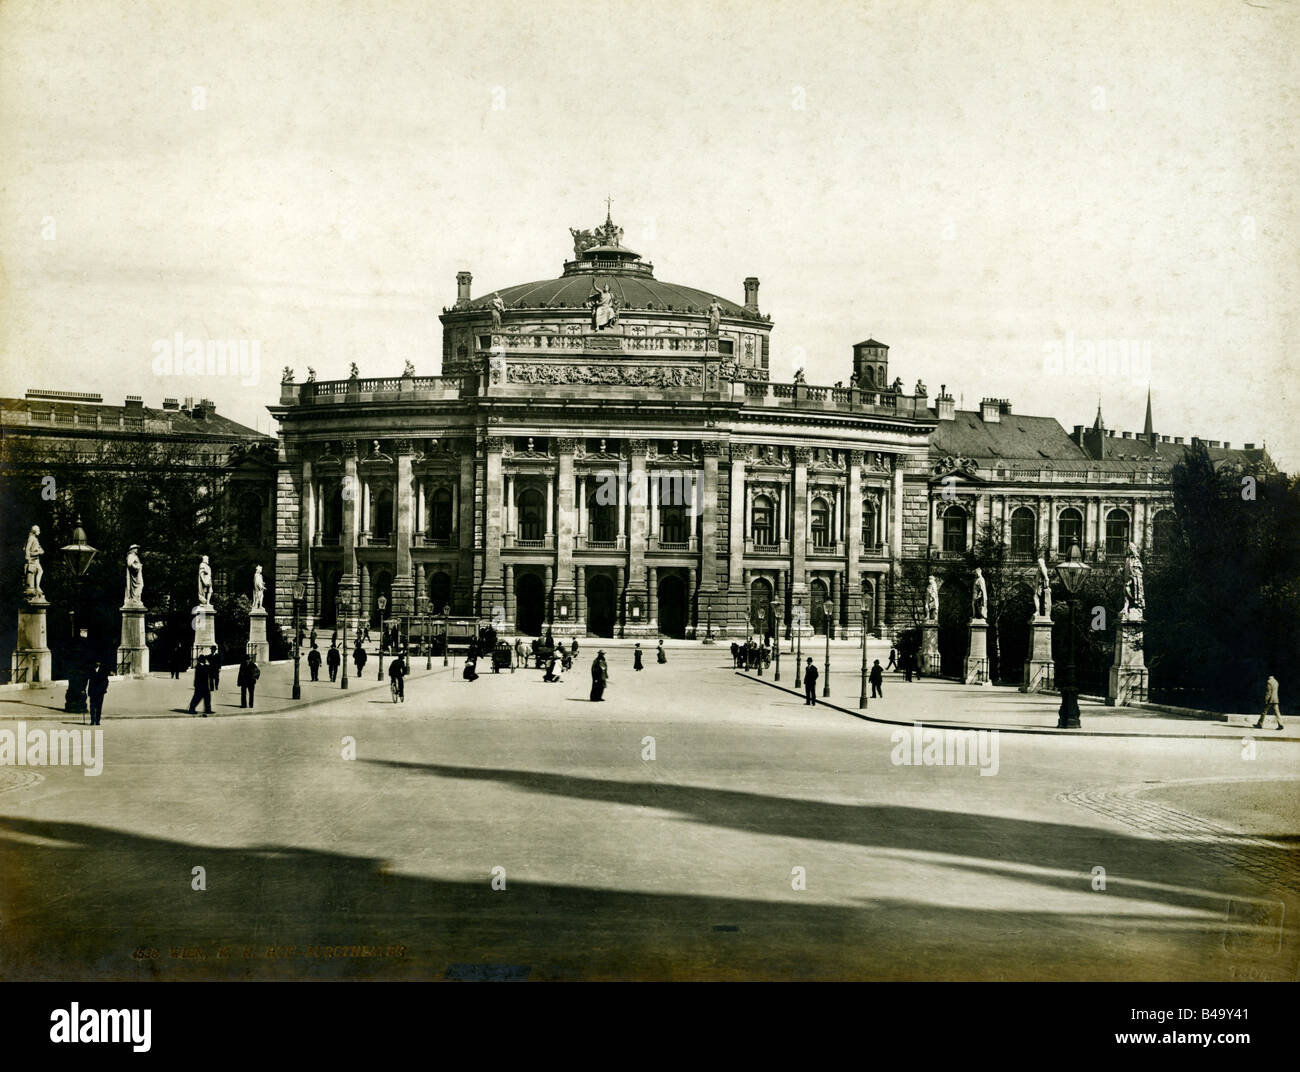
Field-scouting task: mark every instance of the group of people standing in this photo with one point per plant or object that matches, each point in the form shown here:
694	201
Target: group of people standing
207	679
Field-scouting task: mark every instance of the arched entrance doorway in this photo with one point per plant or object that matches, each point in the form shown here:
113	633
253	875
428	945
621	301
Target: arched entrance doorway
530	603
818	594
381	586
760	607
439	593
954	628
601	605
672	606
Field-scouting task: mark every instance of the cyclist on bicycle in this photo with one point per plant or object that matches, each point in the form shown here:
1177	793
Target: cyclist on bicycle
396	680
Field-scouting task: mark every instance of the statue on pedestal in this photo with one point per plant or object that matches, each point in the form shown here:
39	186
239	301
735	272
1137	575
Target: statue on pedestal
979	596
205	582
1134	596
33	571
259	588
1044	599
134	578
498	307
931	600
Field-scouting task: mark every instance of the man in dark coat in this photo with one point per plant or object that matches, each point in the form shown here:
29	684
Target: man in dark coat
599	677
876	677
313	662
893	660
359	657
810	684
636	658
202	687
96	686
214	670
249	672
332	661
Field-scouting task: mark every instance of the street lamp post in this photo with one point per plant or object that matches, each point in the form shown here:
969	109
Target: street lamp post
776	641
760	624
428	638
299	590
862	693
79	554
797	626
827	609
382	602
446	613
1071	573
343	609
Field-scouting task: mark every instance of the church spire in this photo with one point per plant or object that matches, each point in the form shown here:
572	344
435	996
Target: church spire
1148	431
1098	423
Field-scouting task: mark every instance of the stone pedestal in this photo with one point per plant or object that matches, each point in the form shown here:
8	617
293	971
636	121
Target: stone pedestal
929	654
133	652
258	646
31	661
976	669
204	621
1128	671
1039	670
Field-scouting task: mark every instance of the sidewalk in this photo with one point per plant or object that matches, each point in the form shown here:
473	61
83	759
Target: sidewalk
946	704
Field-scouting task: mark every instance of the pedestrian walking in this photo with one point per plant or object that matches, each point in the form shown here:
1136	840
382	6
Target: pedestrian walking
180	661
660	657
909	660
810	684
214	670
249	672
332	661
893	660
876	677
202	687
599	677
313	662
96	686
1272	705
735	655
636	658
359	658
470	673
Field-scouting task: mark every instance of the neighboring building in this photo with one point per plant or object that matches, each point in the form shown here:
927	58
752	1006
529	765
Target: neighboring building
603	453
69	435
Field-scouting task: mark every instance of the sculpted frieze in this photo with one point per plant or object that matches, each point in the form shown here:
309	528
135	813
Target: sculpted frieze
612	374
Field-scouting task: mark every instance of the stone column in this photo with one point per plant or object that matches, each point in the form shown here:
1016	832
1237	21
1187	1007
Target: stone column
548	603
709	519
465	582
638	509
403	591
350	492
1038	665
620	582
853	548
493	592
582	505
363	604
32	661
799	528
306	513
508	602
510	504
692	602
976	669
652	582
779	626
581	623
879	591
550	505
835	602
654	506
622	502
564	604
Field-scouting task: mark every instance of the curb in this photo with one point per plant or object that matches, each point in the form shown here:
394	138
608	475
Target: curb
1040	731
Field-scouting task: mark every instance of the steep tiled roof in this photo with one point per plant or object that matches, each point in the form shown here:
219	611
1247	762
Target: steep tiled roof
1013	437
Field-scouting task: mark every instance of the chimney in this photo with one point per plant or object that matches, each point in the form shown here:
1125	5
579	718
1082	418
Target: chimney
751	294
1250	446
944	409
990	411
134	402
1126	435
1214	442
171	403
1227	445
463	280
1004	405
208	405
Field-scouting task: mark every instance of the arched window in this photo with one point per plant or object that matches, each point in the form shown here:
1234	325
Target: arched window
1117	530
764	535
954	529
672	524
602	519
1022	531
821	525
532	510
384	514
869	536
871	376
1162	532
1069	529
440	514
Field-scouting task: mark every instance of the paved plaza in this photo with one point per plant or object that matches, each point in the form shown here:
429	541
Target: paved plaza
699	824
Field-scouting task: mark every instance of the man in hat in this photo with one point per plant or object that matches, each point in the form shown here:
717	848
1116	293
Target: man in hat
599	677
810	684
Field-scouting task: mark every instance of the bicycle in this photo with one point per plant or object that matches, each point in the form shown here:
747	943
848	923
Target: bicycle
398	692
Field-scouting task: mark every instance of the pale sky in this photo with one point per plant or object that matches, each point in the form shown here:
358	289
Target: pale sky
967	181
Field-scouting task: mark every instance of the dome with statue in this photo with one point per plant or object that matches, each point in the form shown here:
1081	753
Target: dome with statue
607	301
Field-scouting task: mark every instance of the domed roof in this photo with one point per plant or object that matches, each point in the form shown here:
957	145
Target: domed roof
602	260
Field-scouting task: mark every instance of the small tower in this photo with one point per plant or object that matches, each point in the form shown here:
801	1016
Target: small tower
871	364
1094	439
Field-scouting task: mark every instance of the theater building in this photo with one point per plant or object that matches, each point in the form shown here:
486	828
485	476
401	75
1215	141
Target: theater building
602	453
